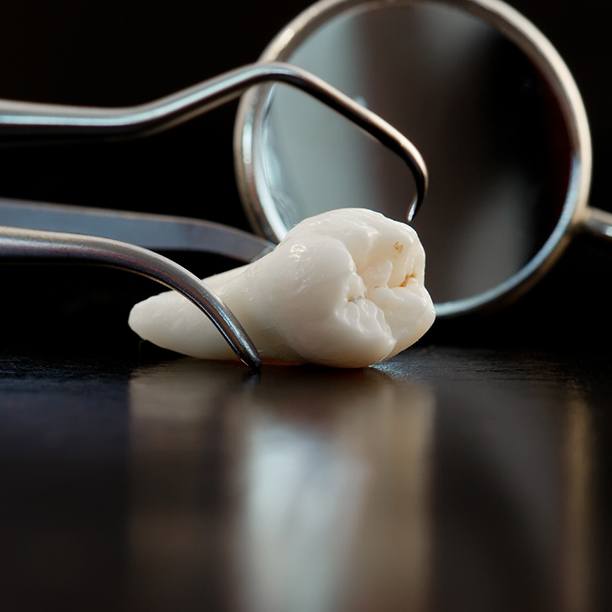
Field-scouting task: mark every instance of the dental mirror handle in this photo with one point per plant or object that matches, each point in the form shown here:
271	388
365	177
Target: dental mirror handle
598	222
23	121
23	245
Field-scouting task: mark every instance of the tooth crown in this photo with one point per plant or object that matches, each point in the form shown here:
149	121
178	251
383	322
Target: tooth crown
349	285
344	288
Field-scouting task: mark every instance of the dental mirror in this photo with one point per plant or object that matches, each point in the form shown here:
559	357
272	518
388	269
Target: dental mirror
482	94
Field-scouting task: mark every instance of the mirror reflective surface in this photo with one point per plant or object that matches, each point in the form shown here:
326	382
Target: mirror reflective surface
487	124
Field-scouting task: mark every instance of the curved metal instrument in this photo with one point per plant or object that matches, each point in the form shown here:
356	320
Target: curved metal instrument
27	121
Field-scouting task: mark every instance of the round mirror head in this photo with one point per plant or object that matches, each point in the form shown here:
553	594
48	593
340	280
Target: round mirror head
481	93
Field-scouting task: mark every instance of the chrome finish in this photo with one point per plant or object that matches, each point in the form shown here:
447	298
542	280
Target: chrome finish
248	147
27	121
23	245
155	232
42	121
598	222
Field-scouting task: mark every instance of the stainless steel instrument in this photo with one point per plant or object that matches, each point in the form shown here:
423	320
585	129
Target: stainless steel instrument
485	96
114	234
491	105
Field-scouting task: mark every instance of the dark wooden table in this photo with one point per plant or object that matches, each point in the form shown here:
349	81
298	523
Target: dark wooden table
446	479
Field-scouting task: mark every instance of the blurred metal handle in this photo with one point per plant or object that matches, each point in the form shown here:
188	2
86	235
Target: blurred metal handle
20	121
148	230
598	222
23	245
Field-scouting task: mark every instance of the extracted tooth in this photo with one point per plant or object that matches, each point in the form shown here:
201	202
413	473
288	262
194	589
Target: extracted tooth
344	288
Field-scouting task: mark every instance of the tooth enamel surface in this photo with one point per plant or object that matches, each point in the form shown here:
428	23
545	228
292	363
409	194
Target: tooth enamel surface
344	288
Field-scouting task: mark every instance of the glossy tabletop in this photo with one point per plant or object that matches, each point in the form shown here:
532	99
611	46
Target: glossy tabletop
445	479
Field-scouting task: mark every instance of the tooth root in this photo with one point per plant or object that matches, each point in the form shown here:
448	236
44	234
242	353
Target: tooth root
330	293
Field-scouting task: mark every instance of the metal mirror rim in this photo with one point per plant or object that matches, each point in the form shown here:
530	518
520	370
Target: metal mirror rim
261	209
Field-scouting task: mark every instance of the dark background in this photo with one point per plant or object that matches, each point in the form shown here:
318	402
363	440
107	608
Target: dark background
124	474
117	53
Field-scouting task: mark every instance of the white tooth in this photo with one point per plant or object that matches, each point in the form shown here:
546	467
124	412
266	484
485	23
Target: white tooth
344	288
